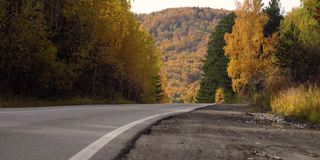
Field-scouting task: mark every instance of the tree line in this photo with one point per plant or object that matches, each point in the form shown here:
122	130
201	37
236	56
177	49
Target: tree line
182	34
84	48
256	52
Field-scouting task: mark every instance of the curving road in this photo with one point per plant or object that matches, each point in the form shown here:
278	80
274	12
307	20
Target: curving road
76	132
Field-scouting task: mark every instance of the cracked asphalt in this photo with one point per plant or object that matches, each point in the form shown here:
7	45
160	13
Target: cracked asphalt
224	132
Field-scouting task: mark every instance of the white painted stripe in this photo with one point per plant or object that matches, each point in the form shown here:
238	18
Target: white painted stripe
94	147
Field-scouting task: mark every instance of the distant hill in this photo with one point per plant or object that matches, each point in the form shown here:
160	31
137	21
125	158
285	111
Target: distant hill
182	34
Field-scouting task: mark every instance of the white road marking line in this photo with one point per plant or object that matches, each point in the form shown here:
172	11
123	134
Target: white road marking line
94	147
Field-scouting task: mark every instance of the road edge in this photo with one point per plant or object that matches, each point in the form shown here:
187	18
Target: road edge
123	143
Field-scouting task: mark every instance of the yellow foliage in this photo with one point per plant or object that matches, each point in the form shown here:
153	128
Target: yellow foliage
219	97
182	34
248	50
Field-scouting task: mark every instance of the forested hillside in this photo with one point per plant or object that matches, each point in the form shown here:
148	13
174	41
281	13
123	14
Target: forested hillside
71	48
182	34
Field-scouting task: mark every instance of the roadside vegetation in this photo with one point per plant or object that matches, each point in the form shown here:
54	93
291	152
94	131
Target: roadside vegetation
52	50
80	52
220	96
215	64
264	56
302	102
15	102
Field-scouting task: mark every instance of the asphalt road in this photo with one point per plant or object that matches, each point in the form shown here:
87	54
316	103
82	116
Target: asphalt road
225	132
73	132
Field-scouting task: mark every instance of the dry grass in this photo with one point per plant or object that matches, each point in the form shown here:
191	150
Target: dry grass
301	102
14	102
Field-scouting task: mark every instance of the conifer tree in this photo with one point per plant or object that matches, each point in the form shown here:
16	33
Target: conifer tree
273	10
215	66
299	52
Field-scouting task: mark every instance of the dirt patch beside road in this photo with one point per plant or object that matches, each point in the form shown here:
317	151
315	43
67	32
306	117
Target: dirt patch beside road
225	132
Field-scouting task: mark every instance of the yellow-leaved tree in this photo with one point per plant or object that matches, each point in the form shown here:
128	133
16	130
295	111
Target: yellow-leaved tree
250	53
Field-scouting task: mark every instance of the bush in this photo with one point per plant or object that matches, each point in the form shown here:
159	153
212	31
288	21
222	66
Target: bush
219	97
301	102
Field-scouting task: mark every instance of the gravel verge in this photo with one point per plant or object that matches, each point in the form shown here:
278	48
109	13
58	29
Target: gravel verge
227	132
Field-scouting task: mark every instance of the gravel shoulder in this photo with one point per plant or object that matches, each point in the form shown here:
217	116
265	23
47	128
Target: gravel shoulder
226	132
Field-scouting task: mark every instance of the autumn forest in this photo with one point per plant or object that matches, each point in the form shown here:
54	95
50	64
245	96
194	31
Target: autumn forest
99	51
67	48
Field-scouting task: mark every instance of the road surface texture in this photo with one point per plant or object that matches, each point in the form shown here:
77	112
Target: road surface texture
225	132
75	132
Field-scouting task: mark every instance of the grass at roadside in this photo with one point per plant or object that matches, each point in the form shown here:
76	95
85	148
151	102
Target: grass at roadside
300	102
33	102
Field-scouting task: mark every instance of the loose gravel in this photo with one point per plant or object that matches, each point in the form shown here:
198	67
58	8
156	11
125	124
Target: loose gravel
226	132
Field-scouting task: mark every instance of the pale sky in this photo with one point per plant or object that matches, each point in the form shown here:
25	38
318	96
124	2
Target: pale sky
147	6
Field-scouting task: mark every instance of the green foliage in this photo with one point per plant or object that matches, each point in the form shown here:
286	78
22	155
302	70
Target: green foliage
312	8
76	48
299	52
26	53
215	64
273	10
182	34
301	102
298	57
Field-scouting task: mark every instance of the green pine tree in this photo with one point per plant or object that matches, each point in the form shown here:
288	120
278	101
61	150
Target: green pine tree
215	66
273	10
